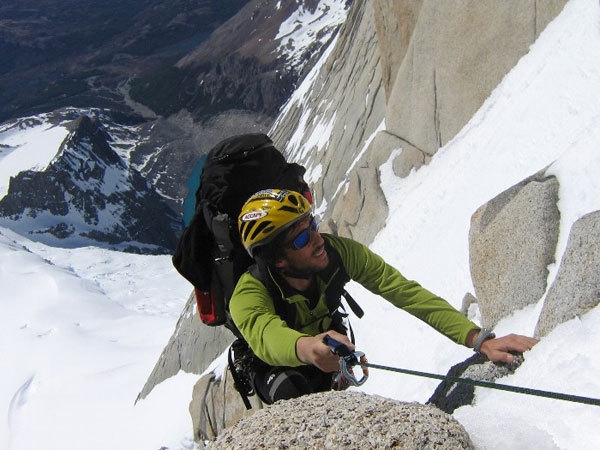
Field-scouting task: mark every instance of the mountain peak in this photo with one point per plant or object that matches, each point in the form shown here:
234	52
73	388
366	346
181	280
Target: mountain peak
88	195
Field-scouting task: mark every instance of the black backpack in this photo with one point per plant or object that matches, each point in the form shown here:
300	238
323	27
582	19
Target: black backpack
210	254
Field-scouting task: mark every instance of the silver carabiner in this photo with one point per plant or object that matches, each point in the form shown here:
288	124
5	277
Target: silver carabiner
348	359
347	364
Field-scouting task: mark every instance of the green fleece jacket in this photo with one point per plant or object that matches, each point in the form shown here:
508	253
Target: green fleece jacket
273	341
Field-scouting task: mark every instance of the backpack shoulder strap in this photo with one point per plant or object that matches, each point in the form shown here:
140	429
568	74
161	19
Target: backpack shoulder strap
219	226
261	273
338	277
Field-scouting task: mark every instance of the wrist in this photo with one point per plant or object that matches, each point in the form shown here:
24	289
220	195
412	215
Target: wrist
304	349
484	335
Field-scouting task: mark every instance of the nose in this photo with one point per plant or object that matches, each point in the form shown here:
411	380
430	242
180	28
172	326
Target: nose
316	238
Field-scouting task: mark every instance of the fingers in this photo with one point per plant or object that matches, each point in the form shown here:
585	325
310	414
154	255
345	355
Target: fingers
338	337
312	350
518	343
499	349
504	357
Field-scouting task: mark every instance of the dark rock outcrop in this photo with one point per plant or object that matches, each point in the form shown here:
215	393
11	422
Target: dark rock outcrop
451	395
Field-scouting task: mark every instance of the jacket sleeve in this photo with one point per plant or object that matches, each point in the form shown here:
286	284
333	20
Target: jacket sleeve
253	312
371	271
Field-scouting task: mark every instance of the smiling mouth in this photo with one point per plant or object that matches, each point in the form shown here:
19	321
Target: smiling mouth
319	253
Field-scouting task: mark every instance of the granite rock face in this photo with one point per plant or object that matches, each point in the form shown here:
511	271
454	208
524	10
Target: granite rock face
419	69
191	348
349	419
576	289
512	241
451	56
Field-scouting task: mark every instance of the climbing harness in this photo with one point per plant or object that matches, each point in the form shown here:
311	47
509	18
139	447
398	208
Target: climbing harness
349	359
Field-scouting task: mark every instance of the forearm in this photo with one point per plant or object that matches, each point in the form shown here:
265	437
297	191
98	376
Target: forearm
472	337
275	343
370	270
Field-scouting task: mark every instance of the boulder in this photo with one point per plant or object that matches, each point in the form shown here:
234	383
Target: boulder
512	241
347	419
576	289
216	405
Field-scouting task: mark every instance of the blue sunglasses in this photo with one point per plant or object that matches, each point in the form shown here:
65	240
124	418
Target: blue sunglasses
303	238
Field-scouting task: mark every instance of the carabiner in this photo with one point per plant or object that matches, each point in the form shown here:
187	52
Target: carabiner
348	359
347	364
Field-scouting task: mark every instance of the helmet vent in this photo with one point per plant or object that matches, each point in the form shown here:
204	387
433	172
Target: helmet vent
265	226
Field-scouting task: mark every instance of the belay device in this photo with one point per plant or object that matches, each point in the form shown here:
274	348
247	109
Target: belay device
348	360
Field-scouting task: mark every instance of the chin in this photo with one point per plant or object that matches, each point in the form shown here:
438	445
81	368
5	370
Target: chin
323	259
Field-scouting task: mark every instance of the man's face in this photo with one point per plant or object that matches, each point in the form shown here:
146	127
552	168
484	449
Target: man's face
312	256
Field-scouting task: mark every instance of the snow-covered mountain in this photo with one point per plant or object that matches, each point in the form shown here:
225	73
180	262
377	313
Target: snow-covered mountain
80	191
117	179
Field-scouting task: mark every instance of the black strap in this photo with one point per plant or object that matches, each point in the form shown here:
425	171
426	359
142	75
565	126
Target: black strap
260	271
337	277
355	307
237	381
219	225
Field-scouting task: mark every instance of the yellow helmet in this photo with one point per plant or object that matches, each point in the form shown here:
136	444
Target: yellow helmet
269	212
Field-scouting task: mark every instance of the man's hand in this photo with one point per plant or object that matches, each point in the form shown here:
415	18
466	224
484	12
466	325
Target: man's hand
498	349
312	350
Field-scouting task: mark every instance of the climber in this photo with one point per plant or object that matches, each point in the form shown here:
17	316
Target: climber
286	306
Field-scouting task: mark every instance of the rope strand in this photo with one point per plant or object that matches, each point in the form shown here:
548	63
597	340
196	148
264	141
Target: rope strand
487	384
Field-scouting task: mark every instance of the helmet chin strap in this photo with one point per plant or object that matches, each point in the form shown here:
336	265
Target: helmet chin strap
300	275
